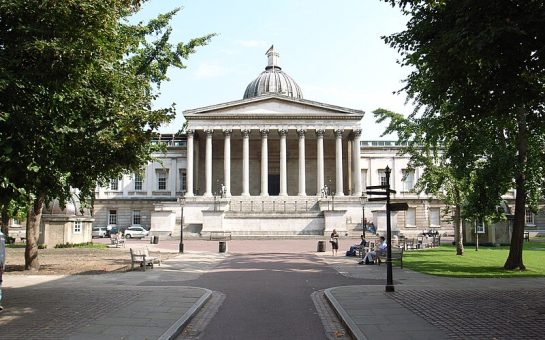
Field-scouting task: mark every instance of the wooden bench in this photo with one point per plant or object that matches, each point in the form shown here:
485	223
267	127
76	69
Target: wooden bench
397	254
117	241
142	257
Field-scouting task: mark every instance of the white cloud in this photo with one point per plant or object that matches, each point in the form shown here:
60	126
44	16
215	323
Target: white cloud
210	69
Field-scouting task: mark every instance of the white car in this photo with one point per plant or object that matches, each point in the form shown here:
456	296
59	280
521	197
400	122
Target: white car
98	232
136	232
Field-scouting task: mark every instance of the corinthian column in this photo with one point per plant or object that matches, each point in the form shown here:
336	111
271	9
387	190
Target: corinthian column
339	162
264	163
208	163
356	167
245	162
189	170
227	161
319	161
302	188
283	174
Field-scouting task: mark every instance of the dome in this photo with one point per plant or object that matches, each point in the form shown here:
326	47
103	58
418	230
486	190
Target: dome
273	80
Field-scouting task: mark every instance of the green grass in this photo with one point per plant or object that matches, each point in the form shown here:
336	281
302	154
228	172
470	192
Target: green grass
82	245
487	262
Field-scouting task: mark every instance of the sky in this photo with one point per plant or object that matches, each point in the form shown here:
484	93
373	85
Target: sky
332	49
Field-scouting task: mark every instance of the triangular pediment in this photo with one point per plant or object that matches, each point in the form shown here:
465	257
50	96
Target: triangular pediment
270	106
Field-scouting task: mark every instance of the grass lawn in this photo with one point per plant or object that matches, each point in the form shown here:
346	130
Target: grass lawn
487	262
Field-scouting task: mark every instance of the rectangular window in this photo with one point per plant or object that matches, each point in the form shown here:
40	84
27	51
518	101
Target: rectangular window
364	179
137	181
136	217
183	180
77	227
435	221
112	217
114	184
410	218
529	217
382	177
408	179
162	176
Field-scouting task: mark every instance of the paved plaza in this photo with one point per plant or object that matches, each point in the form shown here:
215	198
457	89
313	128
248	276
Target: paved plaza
158	303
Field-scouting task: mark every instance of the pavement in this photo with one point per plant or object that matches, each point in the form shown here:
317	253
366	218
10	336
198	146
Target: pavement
157	303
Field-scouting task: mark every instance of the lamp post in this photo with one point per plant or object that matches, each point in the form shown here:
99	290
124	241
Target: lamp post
363	199
181	199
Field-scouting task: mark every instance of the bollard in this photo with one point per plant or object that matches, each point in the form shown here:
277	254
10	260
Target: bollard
222	246
321	246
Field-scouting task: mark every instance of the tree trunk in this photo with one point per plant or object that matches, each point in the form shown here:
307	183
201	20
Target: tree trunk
32	233
514	260
458	232
4	223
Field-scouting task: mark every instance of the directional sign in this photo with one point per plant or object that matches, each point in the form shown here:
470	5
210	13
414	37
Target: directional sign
377	199
398	206
376	187
377	193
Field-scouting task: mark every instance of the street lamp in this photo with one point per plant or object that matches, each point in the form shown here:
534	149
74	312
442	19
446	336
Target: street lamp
363	199
181	199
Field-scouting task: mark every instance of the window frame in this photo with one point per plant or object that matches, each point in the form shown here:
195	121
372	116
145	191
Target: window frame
76	227
112	217
136	215
138	181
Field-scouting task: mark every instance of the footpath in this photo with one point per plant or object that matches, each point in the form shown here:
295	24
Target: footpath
157	304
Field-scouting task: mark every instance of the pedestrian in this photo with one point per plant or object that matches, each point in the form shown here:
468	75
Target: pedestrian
371	256
2	263
334	240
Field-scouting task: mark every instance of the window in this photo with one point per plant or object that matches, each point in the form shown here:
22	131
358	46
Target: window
112	217
183	180
77	227
434	217
162	176
382	177
364	179
408	179
529	217
410	217
114	184
137	181
136	217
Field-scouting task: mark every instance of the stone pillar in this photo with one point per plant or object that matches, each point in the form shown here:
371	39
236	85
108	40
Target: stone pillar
208	163
302	189
319	161
356	166
189	170
339	162
172	176
245	162
196	177
264	163
227	162
283	173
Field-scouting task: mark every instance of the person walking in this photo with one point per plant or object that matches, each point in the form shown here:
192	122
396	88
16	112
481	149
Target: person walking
2	263
334	240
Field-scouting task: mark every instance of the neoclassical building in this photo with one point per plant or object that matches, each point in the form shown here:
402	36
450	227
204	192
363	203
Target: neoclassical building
270	164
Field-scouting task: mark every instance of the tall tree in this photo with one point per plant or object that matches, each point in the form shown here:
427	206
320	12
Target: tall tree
77	82
478	77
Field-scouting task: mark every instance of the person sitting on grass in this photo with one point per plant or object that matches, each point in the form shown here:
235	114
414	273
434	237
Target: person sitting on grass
353	251
371	256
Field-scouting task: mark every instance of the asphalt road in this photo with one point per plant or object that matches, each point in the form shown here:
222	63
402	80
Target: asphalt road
268	296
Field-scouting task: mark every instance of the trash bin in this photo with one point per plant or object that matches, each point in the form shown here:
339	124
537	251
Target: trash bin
321	246
155	239
223	246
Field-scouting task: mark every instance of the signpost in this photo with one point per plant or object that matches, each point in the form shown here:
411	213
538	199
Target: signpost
389	207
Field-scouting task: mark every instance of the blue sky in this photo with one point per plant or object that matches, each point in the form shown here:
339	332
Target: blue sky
331	48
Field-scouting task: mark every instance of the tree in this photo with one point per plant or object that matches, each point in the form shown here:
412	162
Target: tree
478	78
76	87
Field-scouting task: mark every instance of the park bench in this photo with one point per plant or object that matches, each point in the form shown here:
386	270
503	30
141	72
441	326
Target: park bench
117	240
142	257
397	254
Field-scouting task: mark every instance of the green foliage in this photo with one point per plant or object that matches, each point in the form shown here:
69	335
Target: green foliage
81	245
485	263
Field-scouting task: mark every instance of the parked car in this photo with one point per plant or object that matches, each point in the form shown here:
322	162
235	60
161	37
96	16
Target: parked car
136	232
98	232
